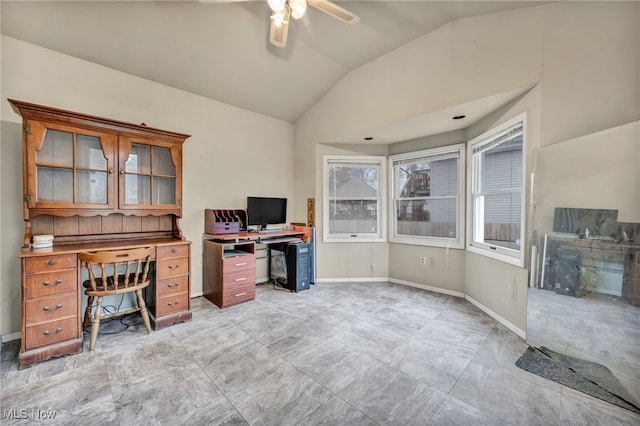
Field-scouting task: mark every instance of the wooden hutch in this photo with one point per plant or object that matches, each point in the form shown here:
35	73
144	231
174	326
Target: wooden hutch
96	184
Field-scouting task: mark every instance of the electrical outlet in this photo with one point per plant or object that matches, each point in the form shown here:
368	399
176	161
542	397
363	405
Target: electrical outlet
423	260
432	261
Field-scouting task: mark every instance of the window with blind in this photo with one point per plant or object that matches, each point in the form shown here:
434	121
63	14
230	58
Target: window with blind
353	198
427	204
497	192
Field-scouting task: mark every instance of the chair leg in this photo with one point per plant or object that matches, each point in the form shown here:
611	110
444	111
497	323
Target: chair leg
87	314
143	310
95	323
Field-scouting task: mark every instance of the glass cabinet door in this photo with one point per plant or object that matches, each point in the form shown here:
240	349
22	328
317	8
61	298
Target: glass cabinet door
73	168
149	176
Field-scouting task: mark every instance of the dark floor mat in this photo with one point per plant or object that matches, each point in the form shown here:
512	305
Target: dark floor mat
588	377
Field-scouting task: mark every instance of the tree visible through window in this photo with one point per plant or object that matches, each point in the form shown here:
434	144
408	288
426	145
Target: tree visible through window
353	197
426	197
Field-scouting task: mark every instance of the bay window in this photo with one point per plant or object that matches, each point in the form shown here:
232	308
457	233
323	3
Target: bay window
497	192
427	201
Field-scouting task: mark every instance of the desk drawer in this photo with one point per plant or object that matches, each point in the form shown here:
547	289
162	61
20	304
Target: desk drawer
172	285
44	309
172	303
242	276
165	252
237	263
238	293
172	267
50	263
51	332
58	282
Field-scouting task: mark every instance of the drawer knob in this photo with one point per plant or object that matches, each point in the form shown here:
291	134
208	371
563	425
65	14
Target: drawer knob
48	333
58	282
173	285
173	250
240	279
240	294
174	266
52	262
58	306
173	303
240	264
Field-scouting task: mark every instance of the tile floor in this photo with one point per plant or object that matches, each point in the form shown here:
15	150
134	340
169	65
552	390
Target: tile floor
595	327
338	354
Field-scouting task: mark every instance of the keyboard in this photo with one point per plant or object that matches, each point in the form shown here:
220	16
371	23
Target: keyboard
268	231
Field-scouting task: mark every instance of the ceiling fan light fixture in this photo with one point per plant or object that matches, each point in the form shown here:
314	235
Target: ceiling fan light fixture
283	10
298	8
279	19
277	5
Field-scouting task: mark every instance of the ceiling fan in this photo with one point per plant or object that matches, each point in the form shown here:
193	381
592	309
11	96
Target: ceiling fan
283	10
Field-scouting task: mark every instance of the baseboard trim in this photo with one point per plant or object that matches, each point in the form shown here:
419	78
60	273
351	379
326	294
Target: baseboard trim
518	331
427	287
353	280
11	337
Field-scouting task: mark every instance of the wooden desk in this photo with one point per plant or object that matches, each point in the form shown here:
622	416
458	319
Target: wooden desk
95	184
229	264
52	293
258	237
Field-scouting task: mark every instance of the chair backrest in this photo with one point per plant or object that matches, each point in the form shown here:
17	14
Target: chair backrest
118	260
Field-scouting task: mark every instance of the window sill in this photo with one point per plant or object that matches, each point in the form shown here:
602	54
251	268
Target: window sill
429	242
511	260
356	239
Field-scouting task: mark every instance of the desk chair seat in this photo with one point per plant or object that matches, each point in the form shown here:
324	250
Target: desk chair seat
120	271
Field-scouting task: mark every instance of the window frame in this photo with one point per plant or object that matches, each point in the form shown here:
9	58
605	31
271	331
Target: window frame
450	150
503	254
381	234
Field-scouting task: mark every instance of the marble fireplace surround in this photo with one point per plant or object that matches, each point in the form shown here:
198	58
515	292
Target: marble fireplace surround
589	251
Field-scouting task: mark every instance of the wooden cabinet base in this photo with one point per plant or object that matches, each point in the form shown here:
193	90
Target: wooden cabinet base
30	357
167	320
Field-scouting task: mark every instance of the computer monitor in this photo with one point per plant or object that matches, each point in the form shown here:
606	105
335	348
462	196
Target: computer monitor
265	211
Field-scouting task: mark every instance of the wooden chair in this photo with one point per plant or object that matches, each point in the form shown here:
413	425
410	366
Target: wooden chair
122	279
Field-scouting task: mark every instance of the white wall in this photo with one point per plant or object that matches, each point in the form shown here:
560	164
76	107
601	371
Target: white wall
352	260
231	154
604	173
500	287
583	56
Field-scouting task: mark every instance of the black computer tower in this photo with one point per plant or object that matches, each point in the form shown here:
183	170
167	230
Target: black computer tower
297	261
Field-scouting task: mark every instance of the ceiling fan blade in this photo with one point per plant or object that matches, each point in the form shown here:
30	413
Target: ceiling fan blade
278	35
334	10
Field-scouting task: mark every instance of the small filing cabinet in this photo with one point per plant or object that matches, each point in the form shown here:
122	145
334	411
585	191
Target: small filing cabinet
229	272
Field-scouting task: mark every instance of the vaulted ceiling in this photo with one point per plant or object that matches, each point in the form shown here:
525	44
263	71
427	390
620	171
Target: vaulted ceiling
220	49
